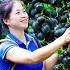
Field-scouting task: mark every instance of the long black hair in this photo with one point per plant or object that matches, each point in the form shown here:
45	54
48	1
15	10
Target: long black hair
5	9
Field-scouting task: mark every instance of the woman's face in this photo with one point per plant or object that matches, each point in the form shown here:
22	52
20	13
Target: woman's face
18	17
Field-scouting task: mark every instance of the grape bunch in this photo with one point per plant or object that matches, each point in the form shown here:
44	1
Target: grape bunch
63	62
48	19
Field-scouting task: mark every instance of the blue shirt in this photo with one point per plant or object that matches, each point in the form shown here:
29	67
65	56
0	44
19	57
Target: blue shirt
10	42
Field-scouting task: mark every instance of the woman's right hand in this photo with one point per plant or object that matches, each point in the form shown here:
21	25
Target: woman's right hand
66	36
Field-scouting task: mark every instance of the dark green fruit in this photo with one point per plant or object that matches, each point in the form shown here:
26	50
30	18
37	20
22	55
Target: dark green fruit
49	36
63	19
35	26
46	12
66	60
45	29
37	15
59	26
33	12
31	21
52	22
60	11
57	67
40	36
28	10
53	14
59	32
44	24
38	6
58	3
67	25
52	1
66	53
41	19
26	1
33	2
61	57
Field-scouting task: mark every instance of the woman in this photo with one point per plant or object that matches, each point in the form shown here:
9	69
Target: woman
19	51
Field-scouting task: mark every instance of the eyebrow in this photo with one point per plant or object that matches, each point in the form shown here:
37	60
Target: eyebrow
19	9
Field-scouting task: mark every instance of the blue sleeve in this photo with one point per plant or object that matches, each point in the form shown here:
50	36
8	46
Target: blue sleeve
5	47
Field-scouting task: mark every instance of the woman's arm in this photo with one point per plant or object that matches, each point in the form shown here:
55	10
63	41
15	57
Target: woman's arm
51	61
20	55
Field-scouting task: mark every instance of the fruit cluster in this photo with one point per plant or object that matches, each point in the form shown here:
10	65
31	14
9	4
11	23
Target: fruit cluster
48	20
64	61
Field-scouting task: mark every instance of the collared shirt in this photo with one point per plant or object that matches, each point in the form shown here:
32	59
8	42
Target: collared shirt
10	42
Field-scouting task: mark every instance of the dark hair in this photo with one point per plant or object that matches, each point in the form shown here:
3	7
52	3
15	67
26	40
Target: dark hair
5	9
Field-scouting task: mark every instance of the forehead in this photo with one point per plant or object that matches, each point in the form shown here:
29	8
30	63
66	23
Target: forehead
17	6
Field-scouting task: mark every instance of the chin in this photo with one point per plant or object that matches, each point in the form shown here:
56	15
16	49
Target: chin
25	27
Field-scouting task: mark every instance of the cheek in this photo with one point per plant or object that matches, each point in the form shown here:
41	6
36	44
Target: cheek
14	19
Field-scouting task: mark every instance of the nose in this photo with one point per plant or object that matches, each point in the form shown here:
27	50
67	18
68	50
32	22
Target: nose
24	15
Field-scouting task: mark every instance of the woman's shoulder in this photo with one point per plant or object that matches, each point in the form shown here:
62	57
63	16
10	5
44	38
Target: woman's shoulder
7	41
5	45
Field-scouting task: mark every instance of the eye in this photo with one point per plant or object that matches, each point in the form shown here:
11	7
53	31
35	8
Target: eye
24	11
18	12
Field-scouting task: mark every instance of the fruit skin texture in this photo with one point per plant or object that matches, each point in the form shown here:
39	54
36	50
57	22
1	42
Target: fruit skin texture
33	12
59	32
37	15
66	60
63	18
41	36
41	19
38	6
57	67
35	26
45	29
52	22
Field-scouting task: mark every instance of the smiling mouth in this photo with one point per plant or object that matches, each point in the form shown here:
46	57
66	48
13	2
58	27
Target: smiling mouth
24	20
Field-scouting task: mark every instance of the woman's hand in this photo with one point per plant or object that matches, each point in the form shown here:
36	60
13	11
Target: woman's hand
66	36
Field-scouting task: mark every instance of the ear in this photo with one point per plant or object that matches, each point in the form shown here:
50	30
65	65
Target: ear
5	21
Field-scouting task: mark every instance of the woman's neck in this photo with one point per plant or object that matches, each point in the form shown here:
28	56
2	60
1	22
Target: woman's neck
19	34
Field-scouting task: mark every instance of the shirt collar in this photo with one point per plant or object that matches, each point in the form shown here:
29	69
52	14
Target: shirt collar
28	38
